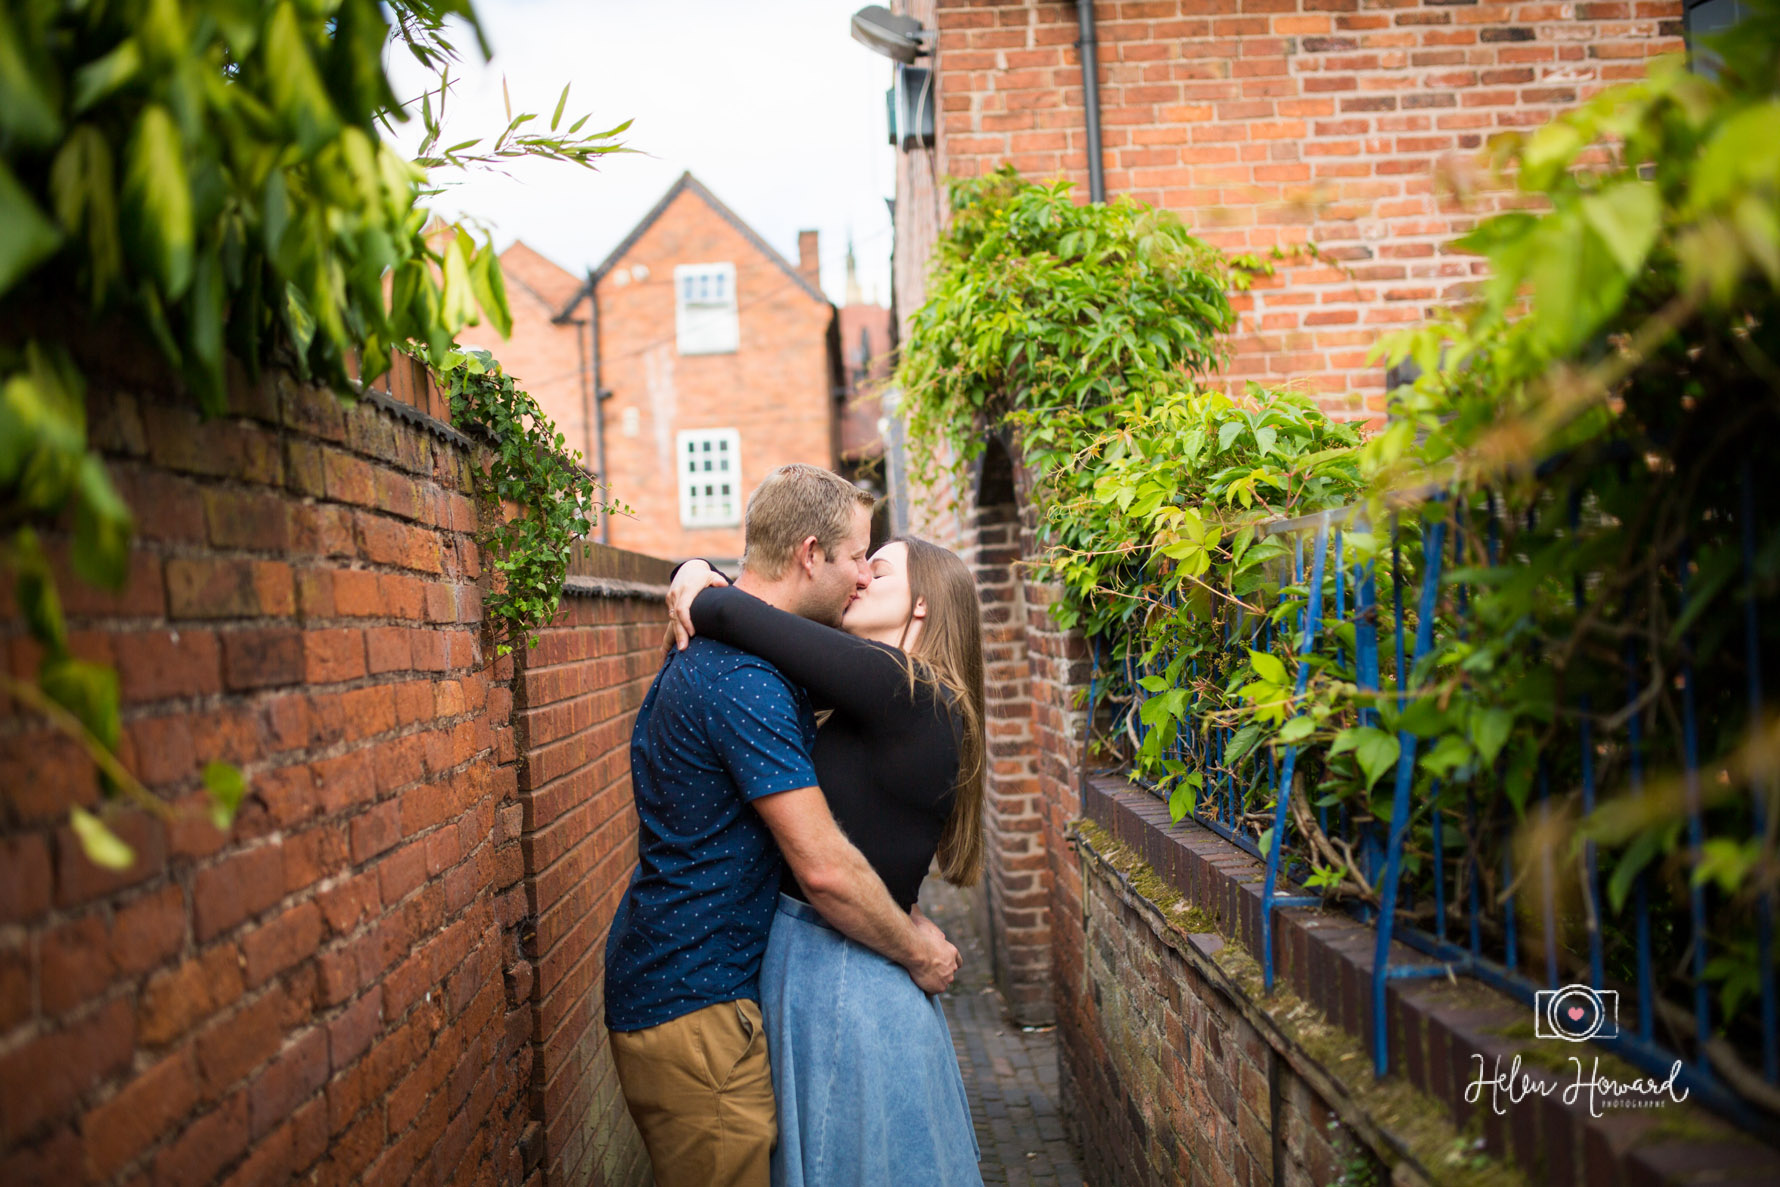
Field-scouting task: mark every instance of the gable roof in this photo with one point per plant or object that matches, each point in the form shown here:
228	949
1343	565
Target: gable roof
685	183
543	278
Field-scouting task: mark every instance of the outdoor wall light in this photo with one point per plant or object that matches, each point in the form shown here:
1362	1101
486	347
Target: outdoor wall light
900	38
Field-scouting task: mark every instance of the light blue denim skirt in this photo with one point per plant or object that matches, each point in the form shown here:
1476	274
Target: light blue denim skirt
866	1079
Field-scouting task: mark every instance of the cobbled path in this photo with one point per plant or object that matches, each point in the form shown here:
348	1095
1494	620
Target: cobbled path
1010	1073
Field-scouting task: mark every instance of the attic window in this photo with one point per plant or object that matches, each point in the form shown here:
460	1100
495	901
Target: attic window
710	478
704	308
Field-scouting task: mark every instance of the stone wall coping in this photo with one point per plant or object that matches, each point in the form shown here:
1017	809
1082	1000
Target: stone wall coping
1438	1028
605	587
602	562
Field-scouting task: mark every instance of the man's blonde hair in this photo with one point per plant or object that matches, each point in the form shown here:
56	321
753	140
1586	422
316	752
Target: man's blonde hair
794	502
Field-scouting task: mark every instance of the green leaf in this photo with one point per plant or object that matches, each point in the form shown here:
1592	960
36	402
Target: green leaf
102	527
1423	718
1646	847
35	591
158	221
84	188
1268	668
86	690
1153	683
1167	706
294	85
1376	752
1627	216
1297	729
1182	800
1727	862
1489	732
1448	755
227	787
1228	434
103	847
100	77
28	106
27	237
1246	739
491	289
457	293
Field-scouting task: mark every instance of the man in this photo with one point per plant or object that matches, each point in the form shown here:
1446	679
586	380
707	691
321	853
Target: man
720	764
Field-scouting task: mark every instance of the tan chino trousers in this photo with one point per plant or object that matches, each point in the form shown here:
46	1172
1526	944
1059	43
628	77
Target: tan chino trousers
701	1090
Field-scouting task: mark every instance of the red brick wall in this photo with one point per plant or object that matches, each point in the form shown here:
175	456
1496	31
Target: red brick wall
776	390
1273	123
577	698
339	988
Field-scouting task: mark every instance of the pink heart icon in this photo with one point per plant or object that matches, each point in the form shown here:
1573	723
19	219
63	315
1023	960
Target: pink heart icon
1575	1013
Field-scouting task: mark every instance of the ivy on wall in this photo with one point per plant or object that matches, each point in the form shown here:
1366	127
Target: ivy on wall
538	500
212	171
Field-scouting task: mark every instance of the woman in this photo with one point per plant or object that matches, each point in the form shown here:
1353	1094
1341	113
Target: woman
864	1072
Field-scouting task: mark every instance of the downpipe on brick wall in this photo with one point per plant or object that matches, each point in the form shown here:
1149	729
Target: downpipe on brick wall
1088	48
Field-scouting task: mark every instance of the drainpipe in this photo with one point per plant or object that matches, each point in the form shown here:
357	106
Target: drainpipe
597	411
1088	47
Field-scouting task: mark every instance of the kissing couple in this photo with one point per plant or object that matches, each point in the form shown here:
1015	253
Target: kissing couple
770	981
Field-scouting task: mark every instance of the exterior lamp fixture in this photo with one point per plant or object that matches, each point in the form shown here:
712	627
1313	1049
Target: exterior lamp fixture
909	102
899	38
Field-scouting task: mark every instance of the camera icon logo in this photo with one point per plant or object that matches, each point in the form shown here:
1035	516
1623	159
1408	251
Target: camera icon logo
1576	1013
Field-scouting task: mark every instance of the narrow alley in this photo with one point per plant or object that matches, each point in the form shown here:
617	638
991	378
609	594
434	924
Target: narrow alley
1010	1072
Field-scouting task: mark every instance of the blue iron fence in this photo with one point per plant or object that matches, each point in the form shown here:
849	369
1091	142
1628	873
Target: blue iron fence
1440	856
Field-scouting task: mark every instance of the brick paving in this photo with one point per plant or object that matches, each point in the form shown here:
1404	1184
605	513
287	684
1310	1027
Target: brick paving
1010	1072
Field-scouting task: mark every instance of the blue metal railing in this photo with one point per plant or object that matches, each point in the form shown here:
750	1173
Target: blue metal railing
1242	792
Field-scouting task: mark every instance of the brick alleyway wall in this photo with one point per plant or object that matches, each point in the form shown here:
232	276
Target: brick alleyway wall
577	696
1272	123
380	973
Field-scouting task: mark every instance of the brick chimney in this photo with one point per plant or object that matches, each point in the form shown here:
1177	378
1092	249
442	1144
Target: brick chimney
807	261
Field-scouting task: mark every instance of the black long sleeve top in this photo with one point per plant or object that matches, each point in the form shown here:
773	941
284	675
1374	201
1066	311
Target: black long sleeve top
886	758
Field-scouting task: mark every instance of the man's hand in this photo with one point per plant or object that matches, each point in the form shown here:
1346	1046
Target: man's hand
693	577
939	959
841	885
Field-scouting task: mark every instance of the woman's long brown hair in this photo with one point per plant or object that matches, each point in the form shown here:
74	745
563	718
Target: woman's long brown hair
948	653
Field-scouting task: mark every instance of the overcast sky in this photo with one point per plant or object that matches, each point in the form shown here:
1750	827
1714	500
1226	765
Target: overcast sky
772	105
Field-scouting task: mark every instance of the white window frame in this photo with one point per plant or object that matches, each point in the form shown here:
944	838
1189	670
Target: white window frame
705	320
718	454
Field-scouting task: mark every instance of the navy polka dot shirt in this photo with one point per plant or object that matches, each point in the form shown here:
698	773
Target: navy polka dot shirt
719	729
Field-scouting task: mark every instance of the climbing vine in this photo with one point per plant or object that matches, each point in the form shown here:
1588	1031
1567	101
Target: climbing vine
531	471
213	174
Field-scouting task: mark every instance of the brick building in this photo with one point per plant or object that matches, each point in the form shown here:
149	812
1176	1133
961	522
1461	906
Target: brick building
1270	123
709	349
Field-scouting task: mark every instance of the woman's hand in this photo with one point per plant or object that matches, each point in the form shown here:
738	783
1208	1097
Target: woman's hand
695	575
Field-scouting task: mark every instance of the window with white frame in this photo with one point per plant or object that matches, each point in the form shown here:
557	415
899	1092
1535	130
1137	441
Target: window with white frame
704	308
710	478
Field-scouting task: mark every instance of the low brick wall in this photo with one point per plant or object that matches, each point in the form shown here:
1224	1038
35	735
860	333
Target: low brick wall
387	971
1177	1067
